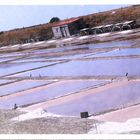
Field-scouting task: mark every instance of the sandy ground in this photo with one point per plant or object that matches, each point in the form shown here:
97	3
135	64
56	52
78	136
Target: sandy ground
121	115
29	124
48	125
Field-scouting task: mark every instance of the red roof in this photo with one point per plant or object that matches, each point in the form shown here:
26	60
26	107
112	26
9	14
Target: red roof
64	22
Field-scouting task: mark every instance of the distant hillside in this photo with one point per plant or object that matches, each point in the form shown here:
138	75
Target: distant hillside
25	35
44	32
113	16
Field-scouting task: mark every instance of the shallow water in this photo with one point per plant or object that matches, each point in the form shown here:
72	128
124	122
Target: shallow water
5	59
50	92
6	69
21	85
29	60
5	81
73	56
59	49
101	101
84	46
93	103
110	44
118	67
117	52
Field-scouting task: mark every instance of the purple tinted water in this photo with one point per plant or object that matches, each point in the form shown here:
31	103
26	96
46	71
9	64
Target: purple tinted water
21	85
100	102
88	46
29	60
13	68
109	44
117	52
50	92
59	49
5	59
5	81
70	56
118	67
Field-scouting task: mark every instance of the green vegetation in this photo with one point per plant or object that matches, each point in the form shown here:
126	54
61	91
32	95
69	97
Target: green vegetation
54	19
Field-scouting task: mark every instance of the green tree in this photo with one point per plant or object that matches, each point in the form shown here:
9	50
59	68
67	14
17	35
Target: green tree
54	19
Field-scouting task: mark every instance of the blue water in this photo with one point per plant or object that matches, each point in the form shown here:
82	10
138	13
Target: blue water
110	44
13	68
117	52
47	93
70	56
5	59
101	101
30	60
5	81
87	46
118	67
20	85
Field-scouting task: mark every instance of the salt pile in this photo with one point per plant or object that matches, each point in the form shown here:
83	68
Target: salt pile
38	113
15	45
26	44
125	32
84	37
40	42
51	41
104	34
117	128
68	39
113	12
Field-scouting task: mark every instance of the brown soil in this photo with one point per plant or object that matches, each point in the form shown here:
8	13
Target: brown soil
121	115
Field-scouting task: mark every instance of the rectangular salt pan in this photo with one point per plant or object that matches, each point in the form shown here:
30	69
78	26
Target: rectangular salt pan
115	67
20	85
101	101
122	52
6	69
50	92
5	81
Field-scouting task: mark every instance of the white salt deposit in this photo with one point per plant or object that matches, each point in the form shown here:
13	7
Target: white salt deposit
83	37
68	39
125	32
113	12
104	34
116	127
127	22
4	47
15	45
39	42
38	113
51	41
26	44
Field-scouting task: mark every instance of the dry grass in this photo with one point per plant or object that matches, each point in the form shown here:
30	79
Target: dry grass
120	15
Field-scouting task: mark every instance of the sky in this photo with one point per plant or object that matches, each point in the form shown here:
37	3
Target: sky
14	16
